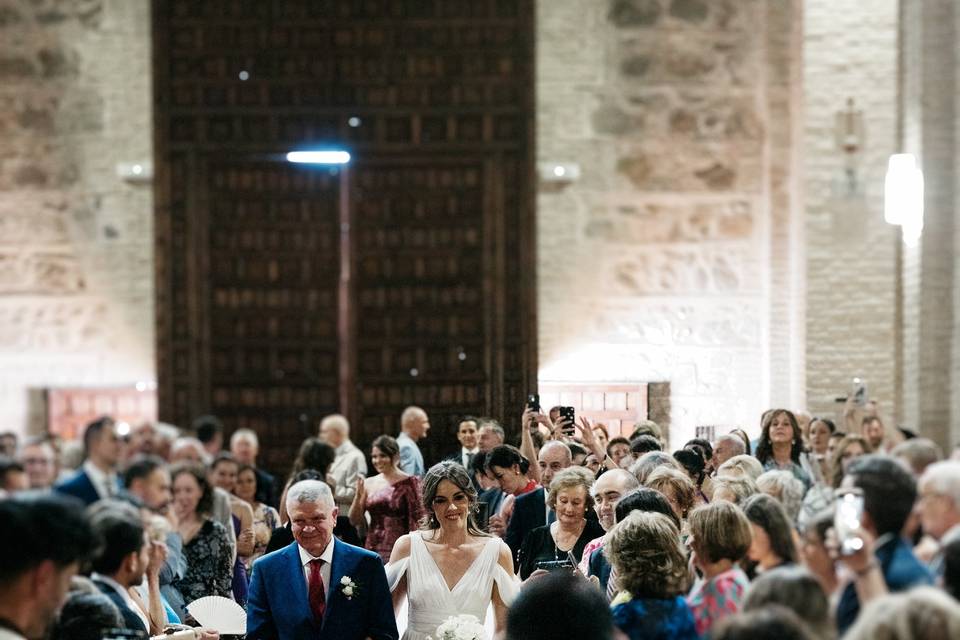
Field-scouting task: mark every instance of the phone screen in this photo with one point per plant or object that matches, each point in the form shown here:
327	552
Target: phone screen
847	520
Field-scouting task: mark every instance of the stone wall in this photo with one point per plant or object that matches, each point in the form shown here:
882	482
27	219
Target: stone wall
674	256
850	51
76	279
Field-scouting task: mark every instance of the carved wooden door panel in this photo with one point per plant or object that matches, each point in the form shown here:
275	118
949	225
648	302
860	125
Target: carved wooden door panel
255	273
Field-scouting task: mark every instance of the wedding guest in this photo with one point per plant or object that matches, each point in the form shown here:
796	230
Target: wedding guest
740	433
349	462
36	569
917	454
244	446
923	613
719	537
741	466
509	468
773	622
265	517
772	541
644	444
650	461
781	444
694	465
724	448
677	487
314	454
533	509
223	475
468	437
618	449
86	616
938	504
570	499
39	459
798	590
607	491
122	563
97	478
205	541
815	553
820	431
733	489
848	449
559	606
651	567
391	498
784	487
209	431
414	425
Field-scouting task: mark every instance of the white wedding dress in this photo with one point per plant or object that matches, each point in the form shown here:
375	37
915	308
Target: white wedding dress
430	602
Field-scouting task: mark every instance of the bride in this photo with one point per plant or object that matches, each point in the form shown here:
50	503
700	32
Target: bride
449	567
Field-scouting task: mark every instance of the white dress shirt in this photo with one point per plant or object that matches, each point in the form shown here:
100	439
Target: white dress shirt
346	468
327	557
464	460
127	600
105	483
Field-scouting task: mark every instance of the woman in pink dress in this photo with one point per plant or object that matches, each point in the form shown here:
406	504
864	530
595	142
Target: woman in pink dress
391	499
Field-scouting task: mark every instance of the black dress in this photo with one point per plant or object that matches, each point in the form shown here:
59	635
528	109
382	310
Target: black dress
538	546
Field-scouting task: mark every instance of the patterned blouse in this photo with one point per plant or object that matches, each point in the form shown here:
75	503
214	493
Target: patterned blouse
209	564
713	600
265	520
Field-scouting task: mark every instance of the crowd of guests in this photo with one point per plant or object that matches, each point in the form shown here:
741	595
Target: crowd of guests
726	538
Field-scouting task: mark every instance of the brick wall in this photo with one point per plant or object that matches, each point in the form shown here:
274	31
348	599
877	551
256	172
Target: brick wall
674	256
76	285
850	51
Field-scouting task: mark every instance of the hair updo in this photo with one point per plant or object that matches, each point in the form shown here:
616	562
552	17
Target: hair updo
458	476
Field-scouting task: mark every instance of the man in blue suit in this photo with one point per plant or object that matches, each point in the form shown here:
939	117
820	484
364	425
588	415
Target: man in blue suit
97	478
889	492
318	587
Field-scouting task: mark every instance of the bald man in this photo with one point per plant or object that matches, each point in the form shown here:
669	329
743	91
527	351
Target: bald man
414	425
530	510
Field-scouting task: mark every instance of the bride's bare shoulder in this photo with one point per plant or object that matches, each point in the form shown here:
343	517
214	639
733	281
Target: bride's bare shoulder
401	548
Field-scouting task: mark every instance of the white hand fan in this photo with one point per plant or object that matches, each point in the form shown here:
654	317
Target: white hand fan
222	614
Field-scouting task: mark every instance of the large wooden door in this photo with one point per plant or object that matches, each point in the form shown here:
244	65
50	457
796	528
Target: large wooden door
286	293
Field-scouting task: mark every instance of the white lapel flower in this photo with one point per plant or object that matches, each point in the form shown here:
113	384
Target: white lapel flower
349	587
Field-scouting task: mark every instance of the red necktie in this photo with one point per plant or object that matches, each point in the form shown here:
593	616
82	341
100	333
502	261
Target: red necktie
317	595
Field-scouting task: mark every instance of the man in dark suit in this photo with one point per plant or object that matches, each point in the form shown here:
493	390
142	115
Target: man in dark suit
469	445
318	588
45	538
244	445
122	561
530	510
97	477
889	493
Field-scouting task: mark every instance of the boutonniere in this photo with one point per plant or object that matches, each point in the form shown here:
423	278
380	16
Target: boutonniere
349	587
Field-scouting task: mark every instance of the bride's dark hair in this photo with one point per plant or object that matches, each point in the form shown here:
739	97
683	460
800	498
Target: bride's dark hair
455	473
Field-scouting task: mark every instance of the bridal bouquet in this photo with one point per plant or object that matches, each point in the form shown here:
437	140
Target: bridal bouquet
462	627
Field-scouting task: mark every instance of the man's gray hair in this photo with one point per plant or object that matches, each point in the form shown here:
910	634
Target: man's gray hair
338	422
943	478
739	447
410	414
312	491
556	444
245	434
493	425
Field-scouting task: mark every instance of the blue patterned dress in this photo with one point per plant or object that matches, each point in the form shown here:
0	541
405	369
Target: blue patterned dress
656	619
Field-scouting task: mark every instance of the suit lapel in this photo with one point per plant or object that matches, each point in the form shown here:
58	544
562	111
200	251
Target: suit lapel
338	568
297	582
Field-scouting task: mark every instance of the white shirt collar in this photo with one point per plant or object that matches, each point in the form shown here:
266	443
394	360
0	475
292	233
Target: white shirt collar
475	450
346	447
326	556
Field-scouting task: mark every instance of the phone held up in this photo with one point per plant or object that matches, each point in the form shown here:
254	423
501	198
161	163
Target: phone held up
847	520
567	413
533	402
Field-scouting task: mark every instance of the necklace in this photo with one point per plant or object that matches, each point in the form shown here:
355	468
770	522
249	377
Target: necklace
556	547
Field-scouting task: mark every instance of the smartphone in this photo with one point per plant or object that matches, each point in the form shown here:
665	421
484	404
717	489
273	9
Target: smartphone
533	402
554	565
847	519
858	391
568	414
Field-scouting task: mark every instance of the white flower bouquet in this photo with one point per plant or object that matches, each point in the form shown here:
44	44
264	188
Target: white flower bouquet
462	627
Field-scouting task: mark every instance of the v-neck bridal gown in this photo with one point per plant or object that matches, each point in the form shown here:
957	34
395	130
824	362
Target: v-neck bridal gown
430	601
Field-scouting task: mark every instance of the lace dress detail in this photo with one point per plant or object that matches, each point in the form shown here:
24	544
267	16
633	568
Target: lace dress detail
395	511
430	601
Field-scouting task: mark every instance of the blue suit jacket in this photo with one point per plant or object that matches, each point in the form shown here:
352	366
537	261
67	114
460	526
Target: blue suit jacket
278	609
901	570
529	512
80	486
600	567
130	620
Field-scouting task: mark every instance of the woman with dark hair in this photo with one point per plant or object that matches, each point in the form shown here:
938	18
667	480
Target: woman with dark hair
781	444
206	547
820	431
391	498
314	454
740	433
773	543
449	567
509	468
265	517
694	464
645	499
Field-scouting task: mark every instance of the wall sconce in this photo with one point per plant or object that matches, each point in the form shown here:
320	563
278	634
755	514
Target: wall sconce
850	134
903	196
